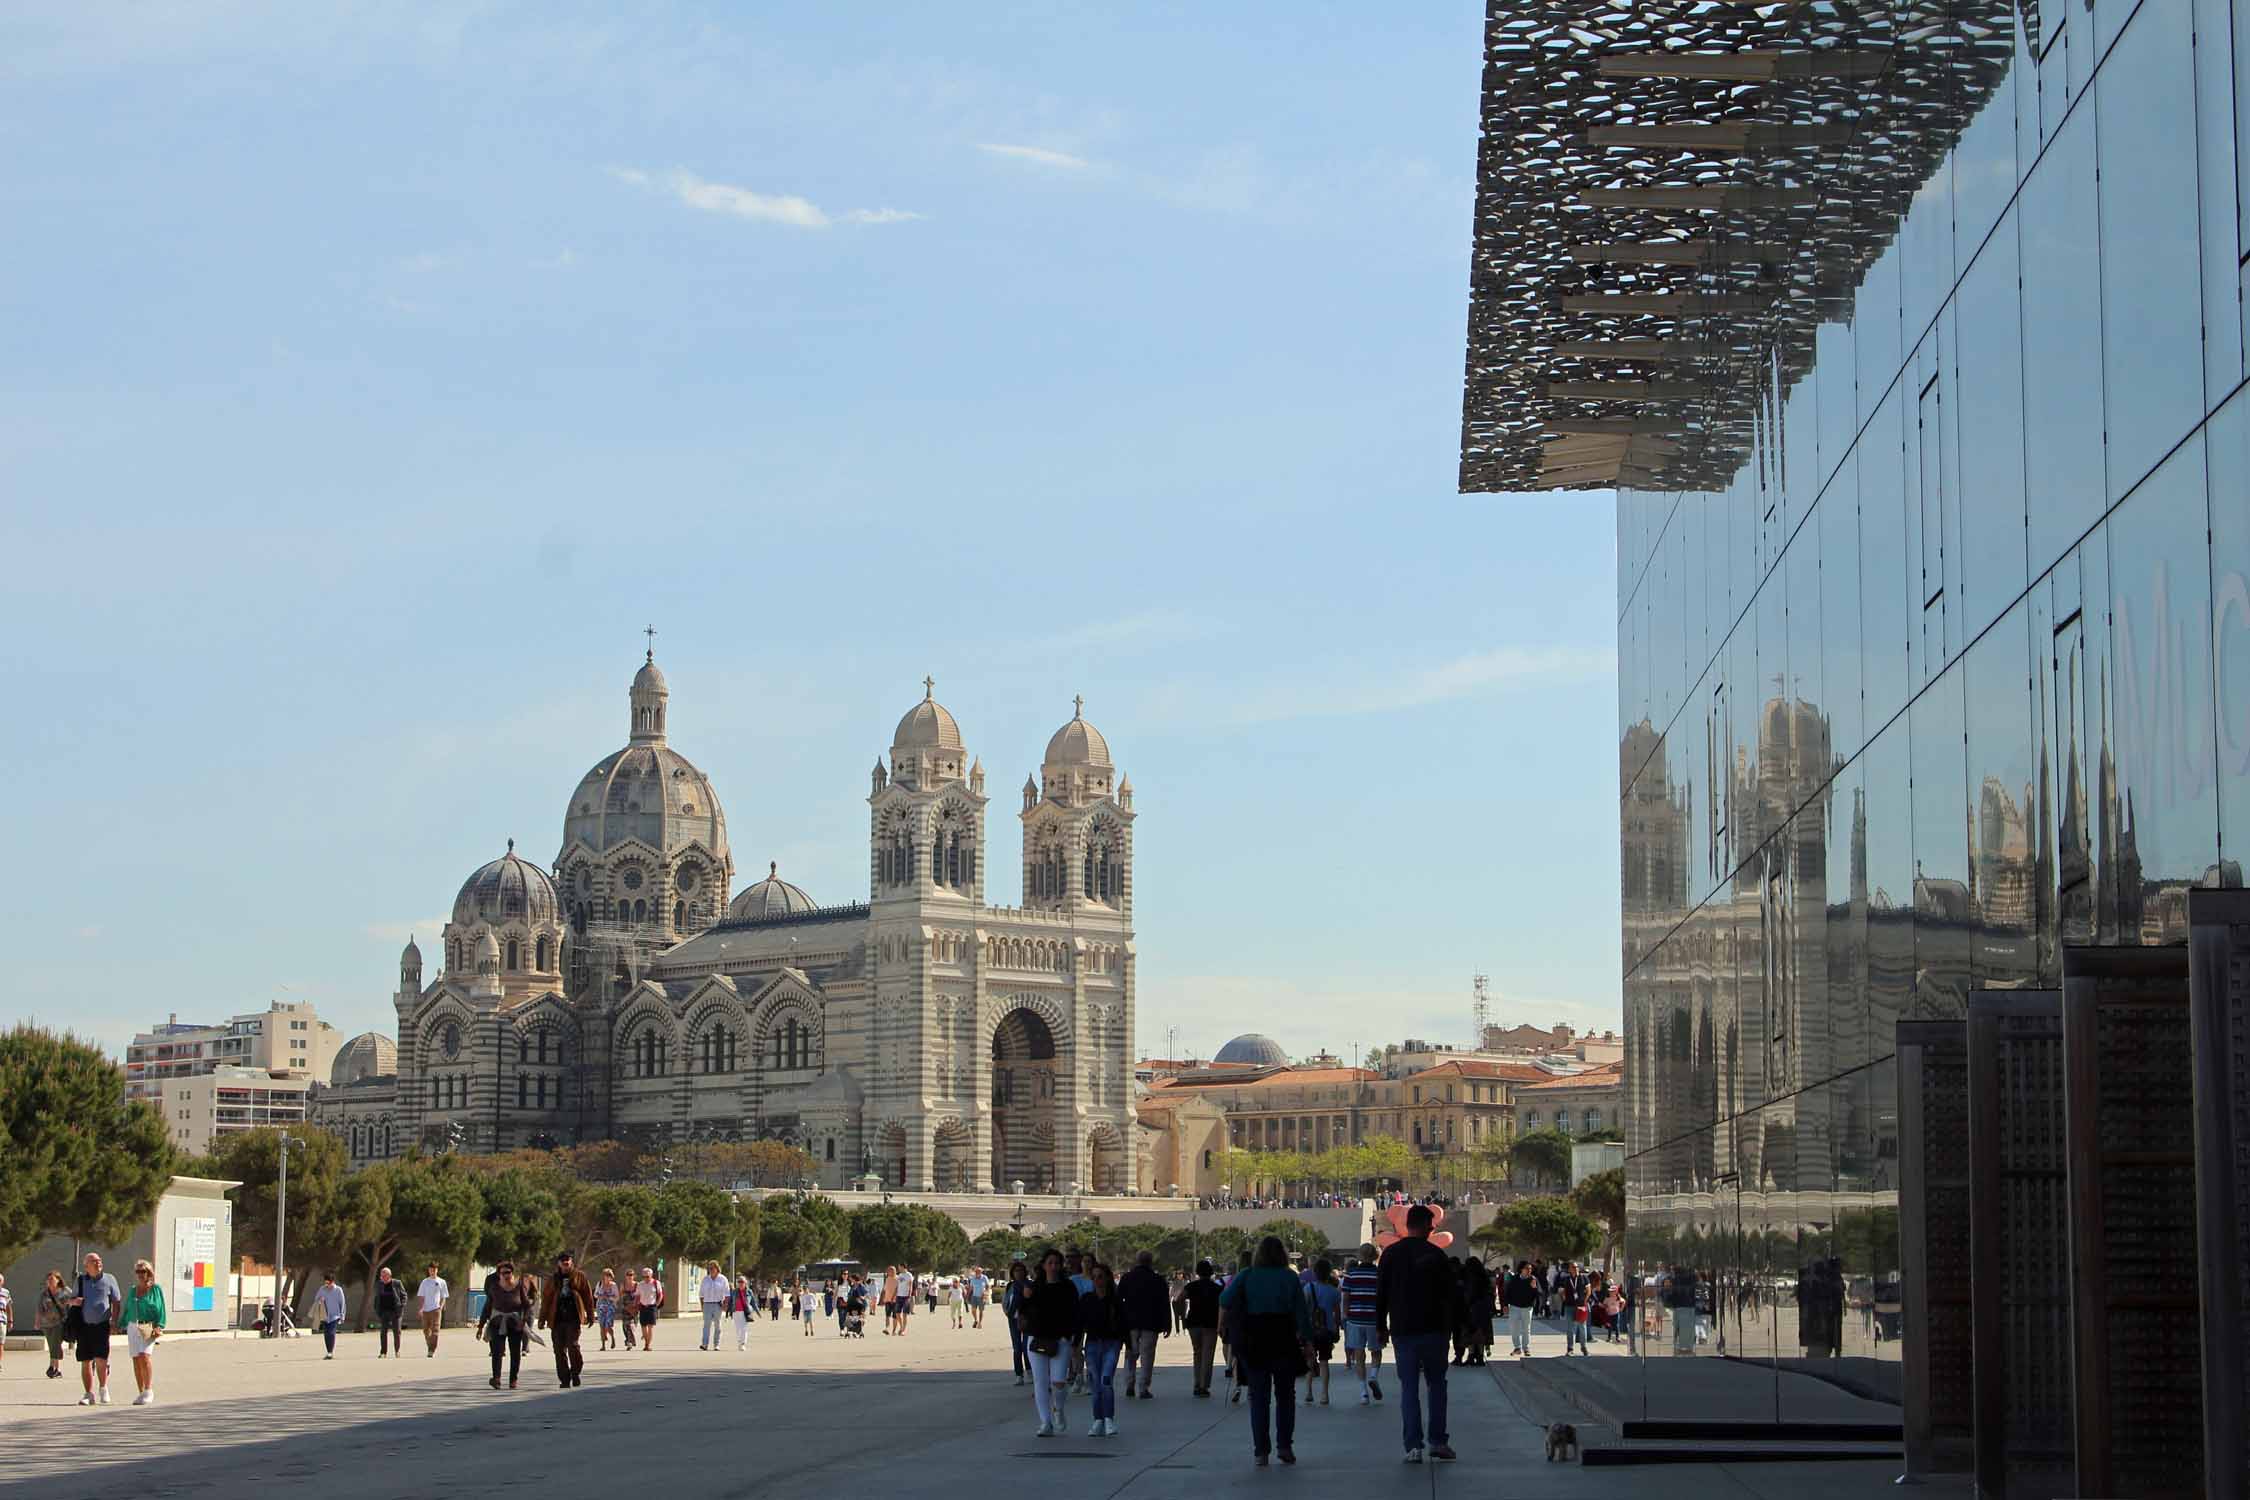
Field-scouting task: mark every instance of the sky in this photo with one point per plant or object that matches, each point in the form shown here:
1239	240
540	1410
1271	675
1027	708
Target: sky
374	374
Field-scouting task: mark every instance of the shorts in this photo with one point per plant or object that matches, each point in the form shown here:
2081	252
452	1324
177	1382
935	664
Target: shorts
93	1342
648	1317
902	1305
1361	1336
135	1345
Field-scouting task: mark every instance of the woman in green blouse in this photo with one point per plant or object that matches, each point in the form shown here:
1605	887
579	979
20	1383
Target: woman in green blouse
144	1325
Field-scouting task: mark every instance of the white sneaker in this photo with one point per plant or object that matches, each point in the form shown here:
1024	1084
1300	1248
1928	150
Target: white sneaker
87	1399
105	1395
1046	1429
1363	1398
1094	1429
144	1398
1413	1455
1109	1427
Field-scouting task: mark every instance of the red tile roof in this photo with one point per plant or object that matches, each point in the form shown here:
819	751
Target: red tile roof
1607	1075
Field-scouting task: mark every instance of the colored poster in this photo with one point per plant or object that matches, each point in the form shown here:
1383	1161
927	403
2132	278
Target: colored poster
195	1269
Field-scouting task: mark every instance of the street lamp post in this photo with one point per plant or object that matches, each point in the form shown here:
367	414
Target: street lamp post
734	1200
281	1235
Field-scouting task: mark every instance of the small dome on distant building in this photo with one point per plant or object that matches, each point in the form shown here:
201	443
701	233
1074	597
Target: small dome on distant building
1078	743
927	725
511	888
368	1055
1255	1049
770	897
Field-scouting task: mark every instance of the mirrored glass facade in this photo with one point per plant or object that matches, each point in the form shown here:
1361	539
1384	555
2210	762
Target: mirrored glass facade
1955	670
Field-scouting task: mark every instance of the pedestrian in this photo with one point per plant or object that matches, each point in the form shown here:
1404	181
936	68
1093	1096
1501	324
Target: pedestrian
980	1289
629	1304
1613	1310
956	1301
740	1309
329	1302
903	1307
647	1298
1363	1341
505	1319
7	1313
1103	1325
54	1312
1199	1314
144	1325
1272	1333
1011	1308
605	1307
713	1294
808	1307
430	1297
1075	1267
1148	1317
890	1297
1679	1296
773	1301
1417	1304
1237	1381
565	1308
1050	1326
1521	1293
390	1315
1474	1336
1574	1297
1326	1300
100	1306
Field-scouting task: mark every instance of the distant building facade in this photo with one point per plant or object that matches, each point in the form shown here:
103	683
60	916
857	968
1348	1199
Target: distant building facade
200	1108
287	1039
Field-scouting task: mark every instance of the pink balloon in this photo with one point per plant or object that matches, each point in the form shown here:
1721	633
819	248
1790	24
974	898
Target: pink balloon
1437	1214
1441	1238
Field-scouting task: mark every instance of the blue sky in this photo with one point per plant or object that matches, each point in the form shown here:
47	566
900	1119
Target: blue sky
374	373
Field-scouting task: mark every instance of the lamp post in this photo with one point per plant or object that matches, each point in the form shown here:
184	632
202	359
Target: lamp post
734	1200
281	1235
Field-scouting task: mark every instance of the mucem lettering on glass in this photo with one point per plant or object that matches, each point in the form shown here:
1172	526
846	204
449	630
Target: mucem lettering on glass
2130	1100
2219	1006
1933	1212
2019	1243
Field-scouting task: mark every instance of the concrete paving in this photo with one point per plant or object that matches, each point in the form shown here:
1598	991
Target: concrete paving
934	1413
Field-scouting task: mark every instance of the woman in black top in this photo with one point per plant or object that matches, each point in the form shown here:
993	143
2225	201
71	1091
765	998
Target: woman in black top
1475	1335
1049	1315
1101	1318
506	1319
1199	1312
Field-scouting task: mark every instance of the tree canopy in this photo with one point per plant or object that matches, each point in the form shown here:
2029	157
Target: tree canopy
908	1234
1546	1155
799	1229
1542	1228
81	1159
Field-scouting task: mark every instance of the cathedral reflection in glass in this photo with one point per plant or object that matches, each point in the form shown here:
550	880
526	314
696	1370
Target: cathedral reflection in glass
1952	672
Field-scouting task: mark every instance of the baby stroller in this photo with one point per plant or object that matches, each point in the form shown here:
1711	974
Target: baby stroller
855	1316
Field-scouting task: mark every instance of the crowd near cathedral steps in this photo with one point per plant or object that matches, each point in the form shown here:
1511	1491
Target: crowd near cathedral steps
922	1034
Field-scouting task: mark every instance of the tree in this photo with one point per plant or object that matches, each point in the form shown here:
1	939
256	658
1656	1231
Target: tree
1302	1239
603	1223
1546	1155
80	1159
523	1221
907	1234
691	1220
1387	1158
316	1173
1545	1228
799	1229
1601	1198
999	1245
1224	1245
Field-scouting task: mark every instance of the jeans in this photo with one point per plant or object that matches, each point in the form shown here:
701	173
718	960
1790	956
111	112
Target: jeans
393	1337
507	1338
714	1318
570	1363
1683	1330
328	1327
1017	1348
1101	1374
1574	1331
1050	1378
1273	1399
1140	1353
1204	1341
1421	1359
1519	1329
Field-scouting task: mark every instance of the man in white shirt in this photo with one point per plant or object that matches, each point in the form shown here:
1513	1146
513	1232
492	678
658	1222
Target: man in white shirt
713	1293
430	1296
905	1299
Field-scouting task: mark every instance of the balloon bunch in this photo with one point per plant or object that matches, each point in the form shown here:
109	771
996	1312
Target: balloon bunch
1396	1217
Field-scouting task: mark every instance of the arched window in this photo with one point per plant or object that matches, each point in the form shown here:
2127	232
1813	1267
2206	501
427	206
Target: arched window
679	914
718	1050
1089	880
832	1148
1531	1121
545	954
640	911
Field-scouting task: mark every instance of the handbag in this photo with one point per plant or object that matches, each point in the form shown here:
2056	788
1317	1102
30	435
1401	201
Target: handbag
1046	1348
74	1323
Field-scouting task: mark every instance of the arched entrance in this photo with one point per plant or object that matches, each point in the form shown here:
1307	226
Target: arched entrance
1105	1160
952	1151
1023	1103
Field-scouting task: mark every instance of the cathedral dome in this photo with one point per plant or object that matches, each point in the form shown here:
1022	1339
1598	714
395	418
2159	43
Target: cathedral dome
509	889
1254	1049
927	725
646	791
770	897
1078	743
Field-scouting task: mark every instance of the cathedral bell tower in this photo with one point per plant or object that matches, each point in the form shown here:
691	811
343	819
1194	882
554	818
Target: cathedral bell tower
1078	825
926	811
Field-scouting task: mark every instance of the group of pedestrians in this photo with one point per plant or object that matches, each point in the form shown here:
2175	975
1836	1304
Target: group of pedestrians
1073	1323
86	1315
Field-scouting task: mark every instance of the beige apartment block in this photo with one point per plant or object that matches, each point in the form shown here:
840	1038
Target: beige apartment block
201	1107
287	1038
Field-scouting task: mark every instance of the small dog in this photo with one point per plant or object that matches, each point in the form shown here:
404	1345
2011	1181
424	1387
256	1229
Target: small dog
1562	1442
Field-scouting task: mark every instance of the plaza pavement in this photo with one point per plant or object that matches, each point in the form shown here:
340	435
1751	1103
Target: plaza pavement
933	1414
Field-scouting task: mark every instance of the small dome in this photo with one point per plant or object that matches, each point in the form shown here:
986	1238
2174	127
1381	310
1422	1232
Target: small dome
927	725
1255	1049
770	897
650	678
368	1055
410	954
511	888
488	952
1078	743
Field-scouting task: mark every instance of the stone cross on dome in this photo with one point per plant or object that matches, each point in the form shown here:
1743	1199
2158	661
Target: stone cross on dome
929	687
1078	706
650	632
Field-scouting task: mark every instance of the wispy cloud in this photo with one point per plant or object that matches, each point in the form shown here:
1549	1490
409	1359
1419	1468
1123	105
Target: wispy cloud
1039	154
746	203
561	260
87	934
1477	673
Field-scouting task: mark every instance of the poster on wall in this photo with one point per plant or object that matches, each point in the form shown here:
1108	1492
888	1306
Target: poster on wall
195	1270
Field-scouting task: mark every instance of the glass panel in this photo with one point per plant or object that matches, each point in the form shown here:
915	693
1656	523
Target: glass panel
1836	360
1984	160
1883	564
1875	324
2152	302
1844	921
2161	713
1942	917
2061	351
1991	422
2007	808
2229	437
1887	836
2215	180
1838	519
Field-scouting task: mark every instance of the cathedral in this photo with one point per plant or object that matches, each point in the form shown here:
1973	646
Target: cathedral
921	1034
